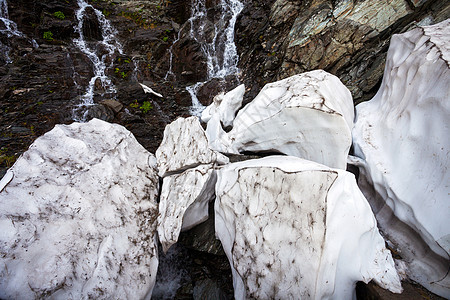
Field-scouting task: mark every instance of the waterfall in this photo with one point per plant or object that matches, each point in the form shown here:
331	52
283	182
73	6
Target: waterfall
170	71
221	54
100	53
9	29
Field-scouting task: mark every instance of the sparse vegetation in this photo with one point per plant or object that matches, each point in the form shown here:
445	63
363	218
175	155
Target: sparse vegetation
59	14
138	19
120	73
146	107
135	104
8	160
48	35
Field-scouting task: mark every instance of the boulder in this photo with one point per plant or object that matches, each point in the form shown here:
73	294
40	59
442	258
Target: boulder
295	229
185	146
115	105
78	217
184	202
308	115
226	105
402	138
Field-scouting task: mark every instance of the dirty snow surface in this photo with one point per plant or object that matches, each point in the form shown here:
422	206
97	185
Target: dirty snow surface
78	218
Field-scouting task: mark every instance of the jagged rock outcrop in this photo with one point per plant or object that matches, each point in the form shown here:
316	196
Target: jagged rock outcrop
78	217
293	228
401	135
278	39
308	115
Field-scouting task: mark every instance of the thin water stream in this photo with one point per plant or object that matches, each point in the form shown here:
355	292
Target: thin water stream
9	28
100	53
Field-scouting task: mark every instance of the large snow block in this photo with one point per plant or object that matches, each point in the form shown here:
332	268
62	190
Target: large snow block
308	115
185	146
184	202
78	217
402	136
295	229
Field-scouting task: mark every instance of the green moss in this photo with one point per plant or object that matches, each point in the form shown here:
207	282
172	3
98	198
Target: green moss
146	107
135	104
59	14
48	35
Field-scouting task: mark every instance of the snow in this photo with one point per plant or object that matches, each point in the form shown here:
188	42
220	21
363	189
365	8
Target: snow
226	105
185	146
6	179
308	115
78	218
150	90
293	228
184	202
402	137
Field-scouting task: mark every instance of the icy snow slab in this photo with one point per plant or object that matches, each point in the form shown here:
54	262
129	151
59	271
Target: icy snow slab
78	219
184	202
295	229
225	105
308	115
402	135
185	146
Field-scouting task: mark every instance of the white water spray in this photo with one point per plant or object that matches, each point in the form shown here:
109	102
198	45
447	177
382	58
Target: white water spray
9	29
100	62
196	108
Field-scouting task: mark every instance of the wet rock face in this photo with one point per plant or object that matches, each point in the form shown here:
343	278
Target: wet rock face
278	39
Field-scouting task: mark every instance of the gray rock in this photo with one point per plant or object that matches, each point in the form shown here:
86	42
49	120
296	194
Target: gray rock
101	112
115	105
278	39
203	238
208	289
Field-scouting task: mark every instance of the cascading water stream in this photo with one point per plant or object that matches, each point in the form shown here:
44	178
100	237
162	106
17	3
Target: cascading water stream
221	54
170	71
9	29
100	53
